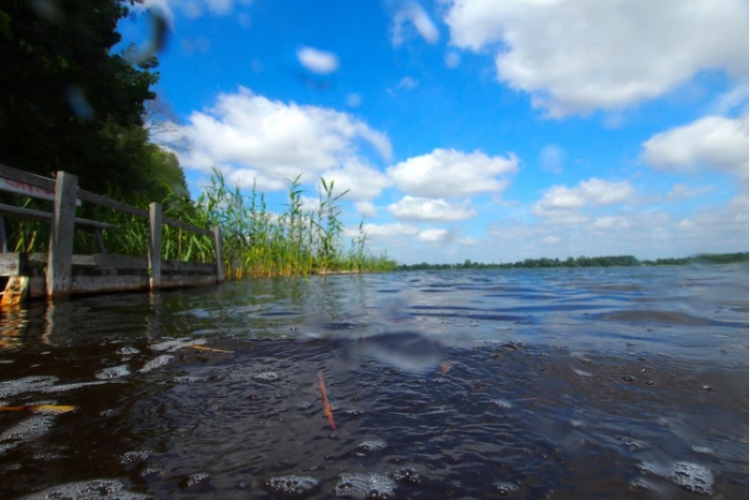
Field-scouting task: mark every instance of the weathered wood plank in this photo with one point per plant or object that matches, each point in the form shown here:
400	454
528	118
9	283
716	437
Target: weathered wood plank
27	178
121	262
110	203
41	216
185	281
61	236
176	266
37	287
154	245
108	284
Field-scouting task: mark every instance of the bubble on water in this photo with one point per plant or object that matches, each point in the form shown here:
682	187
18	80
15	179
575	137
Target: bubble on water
371	445
177	344
27	384
266	377
304	405
113	372
132	457
693	477
98	489
188	379
28	430
194	480
157	362
293	486
505	488
407	475
503	404
127	351
361	486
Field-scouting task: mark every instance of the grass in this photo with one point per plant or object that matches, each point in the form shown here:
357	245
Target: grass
257	241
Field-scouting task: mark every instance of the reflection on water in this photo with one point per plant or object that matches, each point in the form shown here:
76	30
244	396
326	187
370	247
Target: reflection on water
610	383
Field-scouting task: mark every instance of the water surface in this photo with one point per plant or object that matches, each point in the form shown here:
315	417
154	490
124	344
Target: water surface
560	383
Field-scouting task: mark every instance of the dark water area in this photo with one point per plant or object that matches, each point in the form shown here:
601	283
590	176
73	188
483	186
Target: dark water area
561	383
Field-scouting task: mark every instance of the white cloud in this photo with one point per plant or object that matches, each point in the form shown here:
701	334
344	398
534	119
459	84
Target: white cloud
552	158
360	180
318	61
711	143
252	137
563	203
611	222
428	209
447	173
576	56
390	230
411	12
366	209
435	236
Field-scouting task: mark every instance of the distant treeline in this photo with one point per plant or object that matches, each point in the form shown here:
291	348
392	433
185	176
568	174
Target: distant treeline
614	260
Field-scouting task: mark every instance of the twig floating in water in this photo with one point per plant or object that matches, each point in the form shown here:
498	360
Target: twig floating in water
326	404
210	349
40	408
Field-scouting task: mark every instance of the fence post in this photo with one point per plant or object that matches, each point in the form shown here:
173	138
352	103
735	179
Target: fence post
60	252
154	247
219	254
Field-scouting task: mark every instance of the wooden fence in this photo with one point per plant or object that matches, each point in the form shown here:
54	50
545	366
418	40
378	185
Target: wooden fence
59	273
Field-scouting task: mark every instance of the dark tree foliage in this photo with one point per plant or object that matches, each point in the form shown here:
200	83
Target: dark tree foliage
606	261
67	102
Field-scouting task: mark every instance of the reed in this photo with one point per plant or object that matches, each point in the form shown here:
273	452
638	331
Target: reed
257	241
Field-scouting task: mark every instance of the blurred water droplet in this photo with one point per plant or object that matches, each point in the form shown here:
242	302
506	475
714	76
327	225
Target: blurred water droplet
407	351
78	102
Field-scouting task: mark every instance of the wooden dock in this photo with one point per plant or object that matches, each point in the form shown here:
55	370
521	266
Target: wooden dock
58	273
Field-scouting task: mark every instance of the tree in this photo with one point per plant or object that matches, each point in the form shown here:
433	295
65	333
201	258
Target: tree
67	102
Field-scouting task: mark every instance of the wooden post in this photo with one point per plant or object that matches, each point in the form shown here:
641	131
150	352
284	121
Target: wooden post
154	247
60	253
219	254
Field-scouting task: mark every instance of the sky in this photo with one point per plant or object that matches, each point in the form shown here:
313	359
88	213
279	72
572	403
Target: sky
472	129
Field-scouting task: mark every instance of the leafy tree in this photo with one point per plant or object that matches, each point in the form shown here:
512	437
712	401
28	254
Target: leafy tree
68	102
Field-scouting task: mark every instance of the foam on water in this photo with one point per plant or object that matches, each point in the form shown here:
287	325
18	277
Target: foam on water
157	362
175	345
361	486
371	445
292	486
69	387
11	388
693	477
267	377
503	404
98	489
27	430
113	372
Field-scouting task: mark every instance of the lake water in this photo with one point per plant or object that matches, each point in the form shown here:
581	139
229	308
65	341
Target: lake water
560	383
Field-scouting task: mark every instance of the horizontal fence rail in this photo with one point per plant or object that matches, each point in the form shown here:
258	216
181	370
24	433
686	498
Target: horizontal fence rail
57	265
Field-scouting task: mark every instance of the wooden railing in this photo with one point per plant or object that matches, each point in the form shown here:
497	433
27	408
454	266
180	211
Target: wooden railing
59	280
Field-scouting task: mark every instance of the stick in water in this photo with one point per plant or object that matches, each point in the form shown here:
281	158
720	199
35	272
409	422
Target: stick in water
326	404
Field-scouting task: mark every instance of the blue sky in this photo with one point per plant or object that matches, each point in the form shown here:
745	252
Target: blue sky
474	129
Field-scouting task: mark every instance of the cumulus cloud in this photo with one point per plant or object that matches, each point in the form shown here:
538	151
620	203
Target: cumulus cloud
563	203
366	209
318	61
427	209
389	230
360	180
435	236
447	173
574	57
712	143
255	138
411	13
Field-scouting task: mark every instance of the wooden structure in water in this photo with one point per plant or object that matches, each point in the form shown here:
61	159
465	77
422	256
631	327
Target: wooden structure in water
59	273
